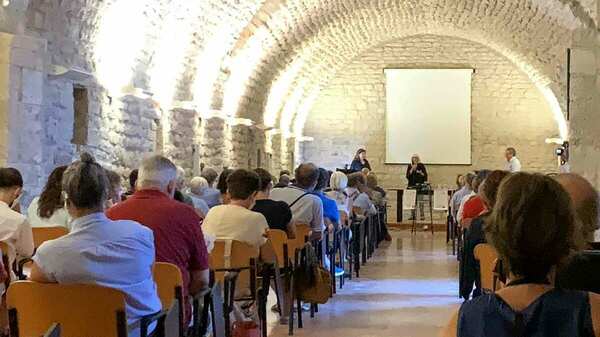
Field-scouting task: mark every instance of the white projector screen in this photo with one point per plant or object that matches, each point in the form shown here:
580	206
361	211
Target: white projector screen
428	113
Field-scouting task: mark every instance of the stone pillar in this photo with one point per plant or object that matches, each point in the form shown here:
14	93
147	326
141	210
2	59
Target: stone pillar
585	108
21	98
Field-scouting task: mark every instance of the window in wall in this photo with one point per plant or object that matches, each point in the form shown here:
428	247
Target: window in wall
80	115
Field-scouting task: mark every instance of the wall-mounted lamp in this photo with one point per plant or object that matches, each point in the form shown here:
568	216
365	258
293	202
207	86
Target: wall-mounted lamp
5	3
555	140
306	139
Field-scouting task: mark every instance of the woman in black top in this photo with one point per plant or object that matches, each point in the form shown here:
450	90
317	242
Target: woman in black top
360	161
277	213
416	173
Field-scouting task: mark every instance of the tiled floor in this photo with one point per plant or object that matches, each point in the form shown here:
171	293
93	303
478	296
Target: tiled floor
408	289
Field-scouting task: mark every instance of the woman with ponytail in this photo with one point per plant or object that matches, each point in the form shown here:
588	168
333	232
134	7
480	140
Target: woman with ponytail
116	254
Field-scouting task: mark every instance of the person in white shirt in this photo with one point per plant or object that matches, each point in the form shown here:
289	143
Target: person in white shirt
115	254
306	208
197	187
15	230
513	164
48	209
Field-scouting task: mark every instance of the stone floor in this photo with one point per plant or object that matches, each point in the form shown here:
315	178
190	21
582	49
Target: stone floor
408	289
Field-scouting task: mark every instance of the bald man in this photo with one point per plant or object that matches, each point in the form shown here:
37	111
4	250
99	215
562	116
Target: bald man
582	271
585	200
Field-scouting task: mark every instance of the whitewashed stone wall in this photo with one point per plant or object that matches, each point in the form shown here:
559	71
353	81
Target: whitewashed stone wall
507	110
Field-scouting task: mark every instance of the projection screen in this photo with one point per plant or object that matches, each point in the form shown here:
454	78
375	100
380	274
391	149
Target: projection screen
428	113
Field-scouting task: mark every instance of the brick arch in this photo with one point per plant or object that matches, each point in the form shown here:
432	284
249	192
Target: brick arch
325	39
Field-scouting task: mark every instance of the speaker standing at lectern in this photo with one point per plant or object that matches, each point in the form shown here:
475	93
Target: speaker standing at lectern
416	173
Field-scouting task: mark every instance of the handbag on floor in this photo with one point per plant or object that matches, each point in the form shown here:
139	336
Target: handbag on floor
312	282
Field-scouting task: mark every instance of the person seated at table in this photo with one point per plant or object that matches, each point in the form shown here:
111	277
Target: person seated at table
277	213
115	254
476	235
533	228
48	210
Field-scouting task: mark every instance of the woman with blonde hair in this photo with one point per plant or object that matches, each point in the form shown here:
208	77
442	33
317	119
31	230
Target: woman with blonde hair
338	183
416	172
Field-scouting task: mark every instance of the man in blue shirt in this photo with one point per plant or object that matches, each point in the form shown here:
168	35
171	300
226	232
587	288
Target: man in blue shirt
330	209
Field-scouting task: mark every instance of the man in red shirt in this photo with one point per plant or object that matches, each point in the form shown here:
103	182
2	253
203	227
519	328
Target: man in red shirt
178	237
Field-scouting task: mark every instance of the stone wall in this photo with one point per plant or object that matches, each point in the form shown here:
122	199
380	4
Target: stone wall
507	110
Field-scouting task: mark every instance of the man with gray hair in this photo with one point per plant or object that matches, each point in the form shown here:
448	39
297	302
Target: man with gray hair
177	234
210	195
306	208
197	187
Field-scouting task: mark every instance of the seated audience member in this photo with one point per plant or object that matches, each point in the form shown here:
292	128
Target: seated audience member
460	182
533	228
176	226
284	181
360	203
48	210
235	220
476	235
338	184
376	193
580	271
460	194
473	206
115	254
114	188
197	187
133	176
211	195
330	211
15	230
222	186
306	208
277	213
180	194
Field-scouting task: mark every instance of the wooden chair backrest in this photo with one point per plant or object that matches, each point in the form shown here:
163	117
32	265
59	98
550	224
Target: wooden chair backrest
43	234
80	309
168	278
302	231
486	255
240	256
279	240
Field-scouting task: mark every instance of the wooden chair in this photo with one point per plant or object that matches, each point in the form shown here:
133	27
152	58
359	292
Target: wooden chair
40	235
487	257
53	331
43	234
279	241
169	284
235	265
81	310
